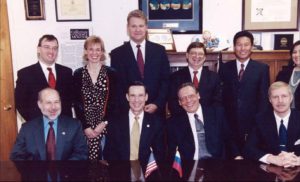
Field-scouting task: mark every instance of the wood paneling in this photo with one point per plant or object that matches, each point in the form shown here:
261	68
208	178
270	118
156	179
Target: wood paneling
8	123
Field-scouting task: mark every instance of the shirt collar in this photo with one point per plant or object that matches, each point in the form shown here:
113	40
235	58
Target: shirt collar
46	122
199	112
245	63
133	44
285	119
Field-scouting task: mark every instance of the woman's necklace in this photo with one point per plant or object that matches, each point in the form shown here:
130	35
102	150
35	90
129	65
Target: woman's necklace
292	79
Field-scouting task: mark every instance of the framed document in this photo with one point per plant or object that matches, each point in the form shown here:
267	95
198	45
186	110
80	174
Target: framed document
73	10
34	9
184	16
270	15
163	37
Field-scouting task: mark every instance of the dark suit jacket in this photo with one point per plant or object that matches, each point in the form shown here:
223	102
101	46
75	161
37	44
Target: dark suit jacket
70	141
31	80
217	135
209	88
156	72
285	76
242	100
118	139
111	106
264	137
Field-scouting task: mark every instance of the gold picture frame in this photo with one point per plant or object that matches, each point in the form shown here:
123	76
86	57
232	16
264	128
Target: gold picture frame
34	9
270	15
163	37
70	10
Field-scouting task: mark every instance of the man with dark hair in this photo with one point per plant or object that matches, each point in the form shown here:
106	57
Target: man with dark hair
142	60
132	136
207	82
245	87
45	73
51	136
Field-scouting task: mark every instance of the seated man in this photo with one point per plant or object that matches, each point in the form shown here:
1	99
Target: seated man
51	136
133	135
201	131
276	136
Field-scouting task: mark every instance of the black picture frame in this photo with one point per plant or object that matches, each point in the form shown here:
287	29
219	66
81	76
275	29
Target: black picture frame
179	21
34	9
79	10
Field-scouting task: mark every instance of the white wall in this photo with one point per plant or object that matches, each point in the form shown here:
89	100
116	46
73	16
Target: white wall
222	17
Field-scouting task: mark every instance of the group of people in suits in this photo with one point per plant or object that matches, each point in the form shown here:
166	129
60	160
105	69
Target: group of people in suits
122	107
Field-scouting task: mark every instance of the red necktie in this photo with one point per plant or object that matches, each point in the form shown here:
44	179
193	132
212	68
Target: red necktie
50	143
51	78
140	60
195	79
241	72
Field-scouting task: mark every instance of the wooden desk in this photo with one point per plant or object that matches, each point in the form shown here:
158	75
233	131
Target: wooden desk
275	60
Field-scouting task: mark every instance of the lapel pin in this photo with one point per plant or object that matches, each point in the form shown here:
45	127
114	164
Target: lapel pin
63	133
148	125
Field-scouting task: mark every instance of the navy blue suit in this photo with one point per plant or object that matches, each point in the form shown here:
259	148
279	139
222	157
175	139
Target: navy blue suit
243	100
156	73
217	136
118	139
264	137
70	141
209	88
31	80
285	76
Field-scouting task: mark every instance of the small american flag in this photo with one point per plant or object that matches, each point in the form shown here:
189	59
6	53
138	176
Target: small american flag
151	166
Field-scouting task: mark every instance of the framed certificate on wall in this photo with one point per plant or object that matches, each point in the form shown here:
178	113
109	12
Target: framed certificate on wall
70	10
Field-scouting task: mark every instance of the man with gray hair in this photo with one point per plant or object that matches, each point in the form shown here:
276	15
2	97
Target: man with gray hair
275	138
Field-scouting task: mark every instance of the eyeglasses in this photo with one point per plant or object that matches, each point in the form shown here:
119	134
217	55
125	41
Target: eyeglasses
48	48
188	97
194	54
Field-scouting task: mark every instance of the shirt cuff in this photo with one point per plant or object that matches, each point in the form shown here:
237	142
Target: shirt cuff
264	159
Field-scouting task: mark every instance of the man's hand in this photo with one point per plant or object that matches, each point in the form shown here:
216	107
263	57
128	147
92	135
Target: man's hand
100	127
150	108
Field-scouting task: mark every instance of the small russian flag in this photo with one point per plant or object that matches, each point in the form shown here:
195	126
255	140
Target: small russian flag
177	163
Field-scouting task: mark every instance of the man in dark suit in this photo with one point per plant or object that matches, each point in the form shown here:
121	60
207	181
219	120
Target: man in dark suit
32	141
207	82
144	61
123	143
245	86
35	77
200	132
275	138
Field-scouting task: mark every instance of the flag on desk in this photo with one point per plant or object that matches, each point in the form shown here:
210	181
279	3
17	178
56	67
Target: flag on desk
177	163
151	166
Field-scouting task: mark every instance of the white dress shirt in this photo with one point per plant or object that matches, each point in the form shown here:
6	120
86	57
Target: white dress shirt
135	49
238	64
46	72
198	74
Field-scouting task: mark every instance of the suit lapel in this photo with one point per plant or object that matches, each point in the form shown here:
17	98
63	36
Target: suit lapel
40	139
39	74
233	71
293	129
186	76
271	131
145	132
132	63
125	138
60	137
250	69
203	80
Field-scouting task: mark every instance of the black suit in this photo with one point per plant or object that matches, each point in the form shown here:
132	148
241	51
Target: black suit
31	80
217	135
264	138
243	100
285	76
156	73
118	139
70	142
209	88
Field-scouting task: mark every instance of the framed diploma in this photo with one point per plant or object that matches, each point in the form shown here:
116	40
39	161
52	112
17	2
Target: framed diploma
73	10
270	15
163	37
34	9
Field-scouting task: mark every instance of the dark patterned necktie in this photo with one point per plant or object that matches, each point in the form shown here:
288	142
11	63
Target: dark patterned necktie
50	143
241	72
51	78
140	60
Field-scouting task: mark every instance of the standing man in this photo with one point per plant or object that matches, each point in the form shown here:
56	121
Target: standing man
45	73
132	136
275	138
51	136
245	87
199	133
144	61
207	82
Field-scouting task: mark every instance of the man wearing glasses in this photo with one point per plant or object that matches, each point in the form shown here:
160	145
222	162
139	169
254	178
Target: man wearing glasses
44	73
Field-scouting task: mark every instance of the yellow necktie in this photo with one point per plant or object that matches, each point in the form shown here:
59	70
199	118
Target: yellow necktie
135	140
